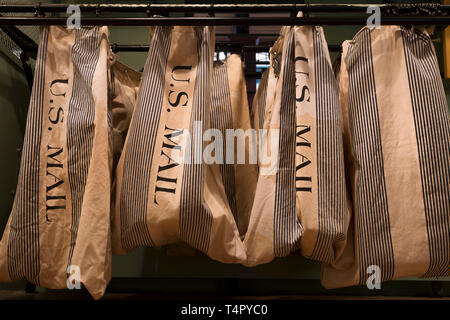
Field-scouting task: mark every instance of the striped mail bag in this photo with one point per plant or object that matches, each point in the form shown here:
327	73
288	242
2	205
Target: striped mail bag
263	101
229	111
124	90
397	132
322	197
165	192
60	221
303	202
259	102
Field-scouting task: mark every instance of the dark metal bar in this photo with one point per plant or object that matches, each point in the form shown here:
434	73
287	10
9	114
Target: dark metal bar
437	289
24	57
256	75
255	48
31	50
30	287
235	47
23	41
259	21
207	8
219	47
255	35
257	62
129	48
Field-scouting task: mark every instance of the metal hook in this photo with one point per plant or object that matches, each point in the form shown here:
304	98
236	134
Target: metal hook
211	12
306	12
97	10
294	11
37	10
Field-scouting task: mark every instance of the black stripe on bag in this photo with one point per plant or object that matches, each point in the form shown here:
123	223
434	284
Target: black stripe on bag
262	98
140	145
80	121
432	127
23	242
109	114
222	119
287	228
373	235
330	157
195	218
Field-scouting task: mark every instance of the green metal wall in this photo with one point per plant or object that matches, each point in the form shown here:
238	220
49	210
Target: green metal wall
14	99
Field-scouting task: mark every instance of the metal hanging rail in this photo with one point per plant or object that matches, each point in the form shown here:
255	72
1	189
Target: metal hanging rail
227	47
256	21
412	13
218	8
30	47
406	13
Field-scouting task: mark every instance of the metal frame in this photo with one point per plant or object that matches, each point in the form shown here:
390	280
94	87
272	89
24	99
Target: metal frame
218	8
241	21
393	14
404	13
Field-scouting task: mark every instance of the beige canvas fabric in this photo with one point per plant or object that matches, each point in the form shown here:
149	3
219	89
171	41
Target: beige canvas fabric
260	242
265	94
229	110
165	192
259	102
125	87
263	99
303	203
397	141
61	212
322	198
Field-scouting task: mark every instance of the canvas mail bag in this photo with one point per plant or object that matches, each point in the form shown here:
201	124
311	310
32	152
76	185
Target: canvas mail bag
60	221
124	90
263	101
165	192
397	141
259	102
303	203
322	197
230	114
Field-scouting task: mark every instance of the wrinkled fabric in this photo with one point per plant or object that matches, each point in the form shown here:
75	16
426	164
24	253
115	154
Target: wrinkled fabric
125	87
230	111
301	201
165	192
60	222
397	143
